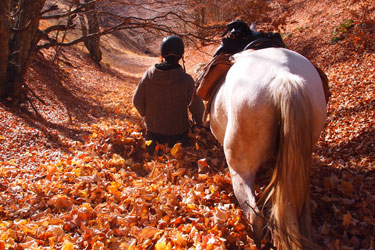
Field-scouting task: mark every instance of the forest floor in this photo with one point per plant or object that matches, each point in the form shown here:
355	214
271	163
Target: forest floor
74	172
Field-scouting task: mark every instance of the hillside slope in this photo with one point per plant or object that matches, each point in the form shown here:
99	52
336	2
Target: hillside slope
74	172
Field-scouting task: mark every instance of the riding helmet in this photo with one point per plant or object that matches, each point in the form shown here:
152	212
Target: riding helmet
172	46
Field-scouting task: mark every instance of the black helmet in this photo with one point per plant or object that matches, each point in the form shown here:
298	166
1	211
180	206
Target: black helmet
172	46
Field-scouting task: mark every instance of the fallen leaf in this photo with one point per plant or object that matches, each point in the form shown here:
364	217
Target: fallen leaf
176	148
61	202
347	219
347	188
67	245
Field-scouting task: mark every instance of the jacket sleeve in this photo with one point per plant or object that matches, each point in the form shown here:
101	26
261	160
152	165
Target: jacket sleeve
197	109
139	97
196	105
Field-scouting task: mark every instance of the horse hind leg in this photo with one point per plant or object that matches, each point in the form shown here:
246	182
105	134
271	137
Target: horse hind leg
248	144
243	186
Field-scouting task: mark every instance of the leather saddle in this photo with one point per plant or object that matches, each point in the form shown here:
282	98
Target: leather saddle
214	73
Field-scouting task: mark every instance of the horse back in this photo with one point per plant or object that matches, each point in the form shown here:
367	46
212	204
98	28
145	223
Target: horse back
249	80
246	95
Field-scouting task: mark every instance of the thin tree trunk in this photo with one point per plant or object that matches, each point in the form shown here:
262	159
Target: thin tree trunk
4	39
81	20
24	27
200	19
93	45
90	25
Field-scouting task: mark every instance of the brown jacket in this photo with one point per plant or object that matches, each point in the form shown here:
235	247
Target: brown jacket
163	97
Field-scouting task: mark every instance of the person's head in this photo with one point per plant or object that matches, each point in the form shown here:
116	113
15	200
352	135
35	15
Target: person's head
172	48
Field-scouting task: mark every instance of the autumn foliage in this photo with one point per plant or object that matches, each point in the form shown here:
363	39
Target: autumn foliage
75	174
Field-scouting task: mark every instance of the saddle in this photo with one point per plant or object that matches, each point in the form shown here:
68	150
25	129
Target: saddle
213	75
216	70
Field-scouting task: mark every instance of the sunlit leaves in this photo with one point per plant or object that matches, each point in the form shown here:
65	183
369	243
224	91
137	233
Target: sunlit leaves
112	193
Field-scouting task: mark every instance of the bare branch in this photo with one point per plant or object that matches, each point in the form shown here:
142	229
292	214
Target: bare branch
129	23
50	9
79	40
79	9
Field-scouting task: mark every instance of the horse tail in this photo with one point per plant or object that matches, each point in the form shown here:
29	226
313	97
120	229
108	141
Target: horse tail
289	188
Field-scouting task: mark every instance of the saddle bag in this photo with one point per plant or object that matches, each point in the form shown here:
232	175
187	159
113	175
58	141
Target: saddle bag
324	78
212	75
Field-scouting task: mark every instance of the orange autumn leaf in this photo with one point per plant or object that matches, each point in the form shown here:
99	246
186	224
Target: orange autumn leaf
61	202
67	245
347	219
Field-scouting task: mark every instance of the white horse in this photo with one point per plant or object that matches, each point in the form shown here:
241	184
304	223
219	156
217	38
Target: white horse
271	108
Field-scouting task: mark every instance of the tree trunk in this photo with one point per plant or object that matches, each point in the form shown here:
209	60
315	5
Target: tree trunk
4	38
22	42
93	45
200	19
90	25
